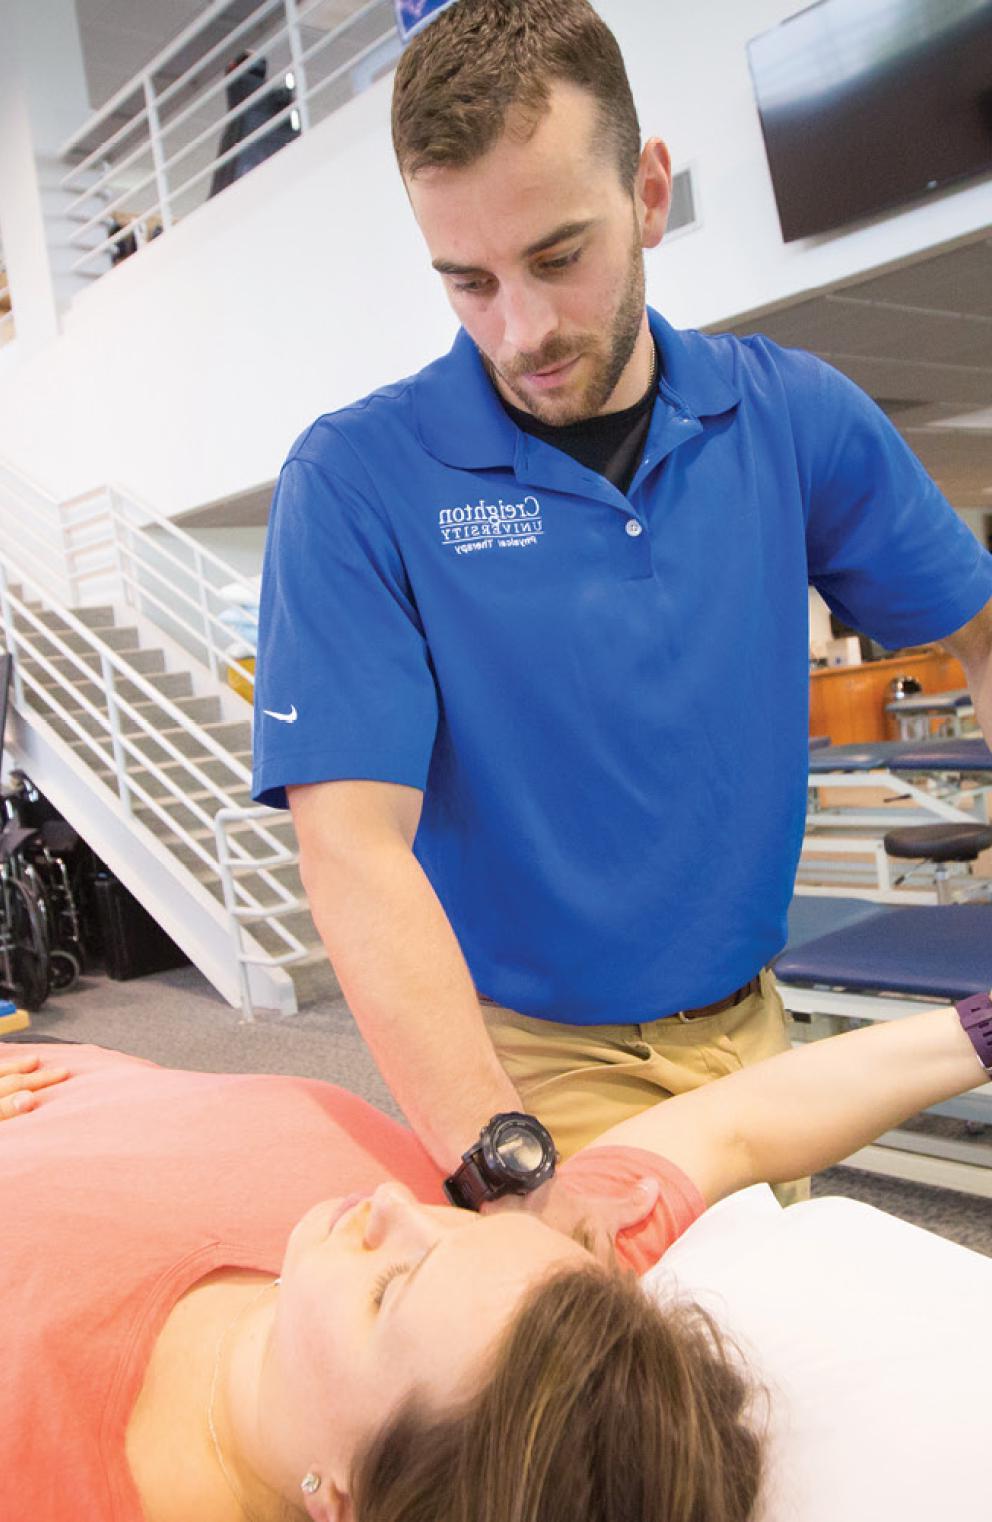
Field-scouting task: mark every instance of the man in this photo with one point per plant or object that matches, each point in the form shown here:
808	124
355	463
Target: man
533	670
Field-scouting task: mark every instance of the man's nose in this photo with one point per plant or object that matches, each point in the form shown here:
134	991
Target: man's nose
529	318
395	1212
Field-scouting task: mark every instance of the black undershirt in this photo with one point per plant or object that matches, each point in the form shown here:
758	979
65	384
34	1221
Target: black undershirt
611	445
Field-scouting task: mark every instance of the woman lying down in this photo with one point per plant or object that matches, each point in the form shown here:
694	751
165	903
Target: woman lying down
192	1329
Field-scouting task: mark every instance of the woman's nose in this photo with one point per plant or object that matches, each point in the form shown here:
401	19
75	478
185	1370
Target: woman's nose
395	1212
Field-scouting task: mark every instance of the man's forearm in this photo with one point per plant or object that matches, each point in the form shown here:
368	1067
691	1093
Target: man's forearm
406	982
980	686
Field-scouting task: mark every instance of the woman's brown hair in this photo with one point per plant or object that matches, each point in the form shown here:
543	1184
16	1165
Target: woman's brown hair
598	1406
461	77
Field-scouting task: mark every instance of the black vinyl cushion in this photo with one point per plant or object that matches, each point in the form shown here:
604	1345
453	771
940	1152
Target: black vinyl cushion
942	951
939	842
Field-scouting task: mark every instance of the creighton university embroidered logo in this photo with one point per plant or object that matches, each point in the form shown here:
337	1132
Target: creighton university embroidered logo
495	525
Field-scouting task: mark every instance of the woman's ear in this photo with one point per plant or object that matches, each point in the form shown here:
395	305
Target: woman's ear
328	1504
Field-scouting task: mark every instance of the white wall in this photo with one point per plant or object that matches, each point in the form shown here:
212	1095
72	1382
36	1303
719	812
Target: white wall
185	373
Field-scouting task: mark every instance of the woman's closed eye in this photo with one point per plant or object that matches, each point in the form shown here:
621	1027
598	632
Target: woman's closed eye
384	1280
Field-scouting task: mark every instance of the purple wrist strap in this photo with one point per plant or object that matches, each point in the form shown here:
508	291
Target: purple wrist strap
976	1016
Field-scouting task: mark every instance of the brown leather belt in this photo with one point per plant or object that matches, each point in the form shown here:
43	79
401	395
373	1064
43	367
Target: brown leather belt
715	1008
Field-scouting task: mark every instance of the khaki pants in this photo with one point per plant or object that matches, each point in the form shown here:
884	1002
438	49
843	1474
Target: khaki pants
581	1079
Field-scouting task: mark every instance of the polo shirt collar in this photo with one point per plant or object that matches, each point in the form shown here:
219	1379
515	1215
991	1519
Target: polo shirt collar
697	372
461	420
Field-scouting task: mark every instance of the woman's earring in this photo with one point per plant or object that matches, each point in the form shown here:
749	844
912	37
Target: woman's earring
310	1483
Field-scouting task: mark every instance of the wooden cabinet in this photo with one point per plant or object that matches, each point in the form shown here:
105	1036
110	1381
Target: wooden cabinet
848	702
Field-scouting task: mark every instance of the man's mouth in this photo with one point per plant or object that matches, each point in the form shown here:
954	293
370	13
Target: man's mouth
552	375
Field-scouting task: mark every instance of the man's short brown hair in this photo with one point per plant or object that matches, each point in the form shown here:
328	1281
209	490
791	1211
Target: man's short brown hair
484	66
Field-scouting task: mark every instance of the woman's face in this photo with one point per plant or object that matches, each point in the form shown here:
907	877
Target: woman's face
381	1296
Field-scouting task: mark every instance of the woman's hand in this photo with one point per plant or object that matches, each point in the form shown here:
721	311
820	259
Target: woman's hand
20	1080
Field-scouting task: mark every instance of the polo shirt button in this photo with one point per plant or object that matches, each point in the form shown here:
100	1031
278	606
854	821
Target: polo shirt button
634	528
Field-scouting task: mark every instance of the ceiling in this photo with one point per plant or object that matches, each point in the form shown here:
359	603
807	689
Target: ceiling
918	338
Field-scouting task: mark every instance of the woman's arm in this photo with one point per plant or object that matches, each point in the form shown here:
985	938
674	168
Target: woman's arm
806	1109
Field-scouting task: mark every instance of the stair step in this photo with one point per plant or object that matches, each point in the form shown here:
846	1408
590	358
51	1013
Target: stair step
201	711
288	877
214	771
171	684
298	923
148	662
232	735
119	639
182	816
283	833
228	735
101	616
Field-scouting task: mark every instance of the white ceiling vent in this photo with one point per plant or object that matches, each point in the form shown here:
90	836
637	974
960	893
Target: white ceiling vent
684	214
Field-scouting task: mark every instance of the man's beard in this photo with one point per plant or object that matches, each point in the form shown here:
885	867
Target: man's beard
607	367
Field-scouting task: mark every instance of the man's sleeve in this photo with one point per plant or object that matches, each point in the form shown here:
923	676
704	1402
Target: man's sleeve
344	686
885	548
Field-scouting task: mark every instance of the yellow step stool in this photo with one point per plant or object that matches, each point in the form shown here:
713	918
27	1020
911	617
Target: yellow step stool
12	1019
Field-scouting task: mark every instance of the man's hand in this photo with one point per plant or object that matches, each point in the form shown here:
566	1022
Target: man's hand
591	1219
20	1080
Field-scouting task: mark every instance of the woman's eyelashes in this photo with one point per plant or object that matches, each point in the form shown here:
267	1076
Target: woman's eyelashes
385	1279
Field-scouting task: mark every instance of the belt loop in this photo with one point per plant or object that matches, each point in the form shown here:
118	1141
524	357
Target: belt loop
683	1017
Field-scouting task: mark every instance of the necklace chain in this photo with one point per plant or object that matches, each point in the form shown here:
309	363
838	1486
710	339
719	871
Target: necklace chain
211	1426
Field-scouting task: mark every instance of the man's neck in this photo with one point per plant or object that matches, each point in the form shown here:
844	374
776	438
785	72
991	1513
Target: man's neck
637	376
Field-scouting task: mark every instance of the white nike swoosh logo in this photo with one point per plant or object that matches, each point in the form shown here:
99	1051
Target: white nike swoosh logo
285	718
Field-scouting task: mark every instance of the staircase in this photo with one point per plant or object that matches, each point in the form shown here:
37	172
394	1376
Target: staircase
123	717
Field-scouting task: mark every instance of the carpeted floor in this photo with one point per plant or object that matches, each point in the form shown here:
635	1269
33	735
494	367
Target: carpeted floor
177	1019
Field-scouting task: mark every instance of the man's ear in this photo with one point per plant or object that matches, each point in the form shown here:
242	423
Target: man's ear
653	191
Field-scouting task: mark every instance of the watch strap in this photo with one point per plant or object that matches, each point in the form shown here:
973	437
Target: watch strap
468	1187
975	1014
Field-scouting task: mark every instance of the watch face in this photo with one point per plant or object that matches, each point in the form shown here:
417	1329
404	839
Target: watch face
518	1149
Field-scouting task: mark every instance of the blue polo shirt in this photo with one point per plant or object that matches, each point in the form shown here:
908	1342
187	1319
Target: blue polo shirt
603	697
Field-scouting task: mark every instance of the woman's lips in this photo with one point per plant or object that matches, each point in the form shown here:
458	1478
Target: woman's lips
546	380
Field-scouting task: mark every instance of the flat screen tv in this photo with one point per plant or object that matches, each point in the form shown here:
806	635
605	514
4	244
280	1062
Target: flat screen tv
868	104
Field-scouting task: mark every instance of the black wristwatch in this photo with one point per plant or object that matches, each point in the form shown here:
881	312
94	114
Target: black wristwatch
514	1155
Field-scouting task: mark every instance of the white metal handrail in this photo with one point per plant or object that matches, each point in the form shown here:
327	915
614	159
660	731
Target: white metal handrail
105	536
23	627
159	115
230	864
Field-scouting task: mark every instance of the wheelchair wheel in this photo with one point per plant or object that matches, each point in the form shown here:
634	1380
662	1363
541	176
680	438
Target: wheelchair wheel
64	970
29	946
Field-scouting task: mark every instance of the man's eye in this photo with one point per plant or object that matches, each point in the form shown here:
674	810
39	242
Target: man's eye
563	262
471	287
384	1280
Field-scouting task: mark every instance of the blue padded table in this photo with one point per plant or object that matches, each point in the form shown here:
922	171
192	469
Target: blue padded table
951	755
878	964
941	951
874	756
811	916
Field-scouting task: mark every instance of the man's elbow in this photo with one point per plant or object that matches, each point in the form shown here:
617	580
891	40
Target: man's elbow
342	826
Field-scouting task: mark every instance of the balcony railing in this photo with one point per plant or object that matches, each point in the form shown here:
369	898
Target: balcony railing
240	82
